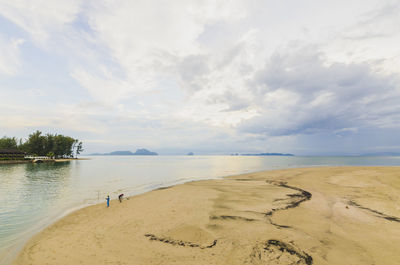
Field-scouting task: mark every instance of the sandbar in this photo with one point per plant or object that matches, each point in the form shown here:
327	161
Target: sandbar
322	215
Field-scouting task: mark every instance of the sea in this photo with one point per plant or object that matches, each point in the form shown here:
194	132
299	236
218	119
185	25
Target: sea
32	196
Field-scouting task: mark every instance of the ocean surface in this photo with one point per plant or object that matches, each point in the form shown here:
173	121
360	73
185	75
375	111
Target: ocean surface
32	196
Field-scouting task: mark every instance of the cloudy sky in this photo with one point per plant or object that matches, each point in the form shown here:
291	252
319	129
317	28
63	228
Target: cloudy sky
308	77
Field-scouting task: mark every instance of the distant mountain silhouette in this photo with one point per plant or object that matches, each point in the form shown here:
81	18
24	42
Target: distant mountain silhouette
139	152
190	154
144	152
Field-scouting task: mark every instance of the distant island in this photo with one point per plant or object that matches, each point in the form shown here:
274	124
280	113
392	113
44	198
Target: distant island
263	154
139	152
190	154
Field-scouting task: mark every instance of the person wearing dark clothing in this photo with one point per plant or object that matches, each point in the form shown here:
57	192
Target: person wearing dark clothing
120	197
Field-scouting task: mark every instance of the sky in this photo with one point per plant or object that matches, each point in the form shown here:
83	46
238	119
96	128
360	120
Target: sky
307	77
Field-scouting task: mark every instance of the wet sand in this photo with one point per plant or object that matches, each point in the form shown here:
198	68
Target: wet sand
329	215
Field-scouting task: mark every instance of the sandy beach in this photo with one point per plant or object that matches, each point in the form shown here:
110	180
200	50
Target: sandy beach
327	215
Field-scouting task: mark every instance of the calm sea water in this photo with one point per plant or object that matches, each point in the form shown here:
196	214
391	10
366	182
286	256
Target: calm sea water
34	195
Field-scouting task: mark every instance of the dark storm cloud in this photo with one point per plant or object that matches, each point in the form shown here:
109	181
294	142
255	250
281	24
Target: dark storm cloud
301	93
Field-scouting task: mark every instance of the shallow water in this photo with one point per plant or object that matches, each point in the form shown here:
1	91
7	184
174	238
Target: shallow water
34	195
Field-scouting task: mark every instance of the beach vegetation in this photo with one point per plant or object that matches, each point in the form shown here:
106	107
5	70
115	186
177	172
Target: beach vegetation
8	143
79	148
51	145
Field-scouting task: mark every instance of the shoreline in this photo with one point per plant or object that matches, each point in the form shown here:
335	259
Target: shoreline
185	233
16	248
8	162
8	254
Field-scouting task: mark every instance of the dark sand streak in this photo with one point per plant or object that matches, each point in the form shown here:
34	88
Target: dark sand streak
231	217
377	213
304	257
179	242
296	200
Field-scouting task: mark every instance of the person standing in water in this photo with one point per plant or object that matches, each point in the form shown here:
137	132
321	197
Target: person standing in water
108	200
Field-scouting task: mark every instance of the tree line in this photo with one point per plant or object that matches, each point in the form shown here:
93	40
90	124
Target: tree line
52	145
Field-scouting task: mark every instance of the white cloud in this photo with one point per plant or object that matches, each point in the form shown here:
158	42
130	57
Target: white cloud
40	18
10	60
142	31
373	36
148	39
105	88
233	73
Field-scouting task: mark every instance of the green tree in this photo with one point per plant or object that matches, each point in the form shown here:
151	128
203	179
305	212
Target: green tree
74	145
22	146
79	149
36	143
48	143
63	146
8	143
68	143
56	145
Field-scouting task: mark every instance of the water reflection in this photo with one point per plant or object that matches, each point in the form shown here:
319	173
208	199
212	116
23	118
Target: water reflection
32	195
36	167
27	192
46	181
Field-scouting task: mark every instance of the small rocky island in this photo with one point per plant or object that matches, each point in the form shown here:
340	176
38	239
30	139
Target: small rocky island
139	152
